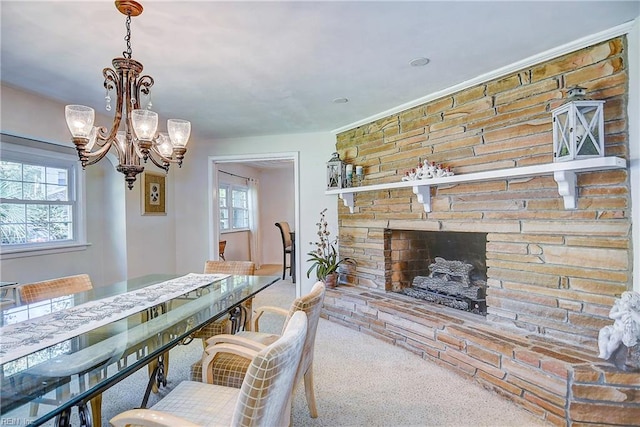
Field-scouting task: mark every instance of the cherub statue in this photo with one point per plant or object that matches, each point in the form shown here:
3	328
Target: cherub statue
626	327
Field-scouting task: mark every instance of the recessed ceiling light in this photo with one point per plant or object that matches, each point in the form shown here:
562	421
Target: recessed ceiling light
340	101
419	62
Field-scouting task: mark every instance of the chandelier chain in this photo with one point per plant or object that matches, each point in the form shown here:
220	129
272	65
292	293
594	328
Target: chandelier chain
127	38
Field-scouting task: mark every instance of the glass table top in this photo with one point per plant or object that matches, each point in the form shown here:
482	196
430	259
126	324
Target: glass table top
82	366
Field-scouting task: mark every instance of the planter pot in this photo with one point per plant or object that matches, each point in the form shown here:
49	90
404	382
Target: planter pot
331	281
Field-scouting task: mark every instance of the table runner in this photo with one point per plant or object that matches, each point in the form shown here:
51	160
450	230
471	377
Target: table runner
23	338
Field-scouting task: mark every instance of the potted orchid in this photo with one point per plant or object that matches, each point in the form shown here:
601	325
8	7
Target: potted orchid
324	257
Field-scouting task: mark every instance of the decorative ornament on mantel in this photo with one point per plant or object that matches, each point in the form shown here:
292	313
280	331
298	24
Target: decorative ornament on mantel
133	132
578	127
426	170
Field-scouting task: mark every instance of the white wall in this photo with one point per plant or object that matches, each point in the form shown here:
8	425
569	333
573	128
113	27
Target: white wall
276	205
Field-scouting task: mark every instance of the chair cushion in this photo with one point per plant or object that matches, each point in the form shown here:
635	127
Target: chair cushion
229	369
204	404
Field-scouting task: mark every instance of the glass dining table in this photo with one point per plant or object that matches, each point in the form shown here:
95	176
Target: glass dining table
64	352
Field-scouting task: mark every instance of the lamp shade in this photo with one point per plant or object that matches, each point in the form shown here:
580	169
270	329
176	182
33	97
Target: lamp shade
164	144
79	120
179	132
144	124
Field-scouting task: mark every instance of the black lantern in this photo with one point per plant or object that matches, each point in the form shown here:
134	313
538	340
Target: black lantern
336	173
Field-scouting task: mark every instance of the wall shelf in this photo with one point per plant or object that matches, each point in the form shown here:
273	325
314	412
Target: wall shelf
564	173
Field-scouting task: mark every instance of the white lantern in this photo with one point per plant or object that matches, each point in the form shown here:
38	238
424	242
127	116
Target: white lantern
336	172
578	128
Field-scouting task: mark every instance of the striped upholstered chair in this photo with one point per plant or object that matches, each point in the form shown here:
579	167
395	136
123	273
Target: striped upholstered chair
229	369
224	326
264	399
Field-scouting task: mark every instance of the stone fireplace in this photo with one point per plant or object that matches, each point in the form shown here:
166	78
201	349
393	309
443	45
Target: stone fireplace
552	274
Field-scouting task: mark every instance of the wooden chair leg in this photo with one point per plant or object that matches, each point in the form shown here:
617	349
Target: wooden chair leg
284	264
96	410
309	392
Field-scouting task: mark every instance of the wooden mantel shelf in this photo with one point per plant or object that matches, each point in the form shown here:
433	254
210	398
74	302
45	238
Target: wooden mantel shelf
564	173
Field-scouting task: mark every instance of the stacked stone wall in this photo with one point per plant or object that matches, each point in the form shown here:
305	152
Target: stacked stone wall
551	271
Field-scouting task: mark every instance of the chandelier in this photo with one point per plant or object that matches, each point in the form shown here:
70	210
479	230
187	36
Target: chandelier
133	133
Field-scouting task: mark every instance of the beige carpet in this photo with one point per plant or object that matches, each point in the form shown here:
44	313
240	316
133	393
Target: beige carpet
359	381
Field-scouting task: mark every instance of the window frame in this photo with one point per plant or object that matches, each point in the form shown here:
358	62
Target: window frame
229	187
24	150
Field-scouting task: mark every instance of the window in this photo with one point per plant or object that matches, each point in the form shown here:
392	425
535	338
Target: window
39	203
234	207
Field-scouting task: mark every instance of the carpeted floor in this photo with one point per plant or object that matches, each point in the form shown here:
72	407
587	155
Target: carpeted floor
359	381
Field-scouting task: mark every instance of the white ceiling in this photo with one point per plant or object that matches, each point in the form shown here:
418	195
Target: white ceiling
256	68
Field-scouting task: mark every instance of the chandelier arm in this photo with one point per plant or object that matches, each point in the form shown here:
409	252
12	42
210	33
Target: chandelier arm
98	155
112	81
164	165
178	152
143	86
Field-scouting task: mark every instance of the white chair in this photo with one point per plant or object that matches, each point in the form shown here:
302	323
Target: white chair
263	400
229	369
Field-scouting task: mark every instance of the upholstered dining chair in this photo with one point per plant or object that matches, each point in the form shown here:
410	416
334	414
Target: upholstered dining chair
228	369
224	325
47	289
54	288
288	248
264	399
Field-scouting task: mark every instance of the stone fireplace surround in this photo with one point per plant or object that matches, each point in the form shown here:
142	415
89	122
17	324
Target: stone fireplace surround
552	273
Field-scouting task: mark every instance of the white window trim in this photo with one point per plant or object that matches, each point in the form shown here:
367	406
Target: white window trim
24	148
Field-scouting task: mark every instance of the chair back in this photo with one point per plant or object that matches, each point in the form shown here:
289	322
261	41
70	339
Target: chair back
265	394
285	232
230	267
47	289
311	305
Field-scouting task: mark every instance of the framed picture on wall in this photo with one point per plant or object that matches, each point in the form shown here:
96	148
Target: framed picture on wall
153	194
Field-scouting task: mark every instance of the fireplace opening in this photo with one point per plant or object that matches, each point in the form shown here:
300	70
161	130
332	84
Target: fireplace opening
447	268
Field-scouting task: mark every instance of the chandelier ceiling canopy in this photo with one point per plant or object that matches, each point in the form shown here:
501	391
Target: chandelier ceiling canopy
133	134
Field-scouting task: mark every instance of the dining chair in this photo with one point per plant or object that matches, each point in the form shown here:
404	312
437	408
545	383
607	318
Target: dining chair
226	326
31	293
228	369
264	399
47	289
287	249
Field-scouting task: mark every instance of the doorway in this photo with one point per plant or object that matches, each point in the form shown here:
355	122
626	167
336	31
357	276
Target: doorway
261	162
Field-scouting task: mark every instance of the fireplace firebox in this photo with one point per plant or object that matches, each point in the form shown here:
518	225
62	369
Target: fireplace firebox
446	268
